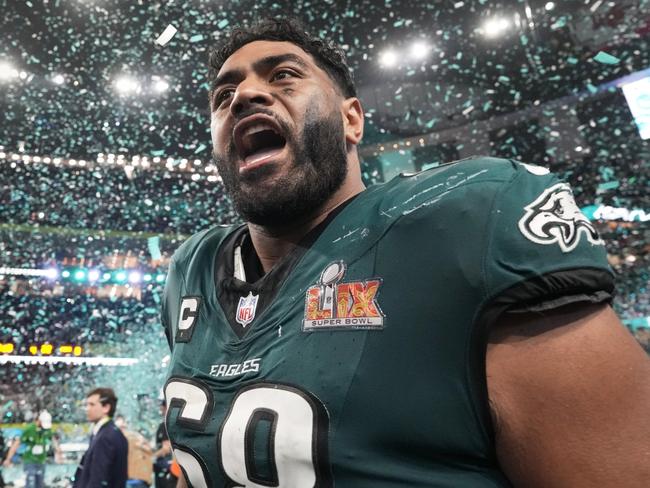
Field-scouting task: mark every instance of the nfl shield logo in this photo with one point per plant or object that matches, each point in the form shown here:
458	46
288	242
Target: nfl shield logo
246	309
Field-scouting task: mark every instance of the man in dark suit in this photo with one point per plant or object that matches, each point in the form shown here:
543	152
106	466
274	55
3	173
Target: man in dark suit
105	463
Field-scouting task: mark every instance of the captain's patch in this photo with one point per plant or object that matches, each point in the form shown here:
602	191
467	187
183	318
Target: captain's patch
332	304
189	314
554	217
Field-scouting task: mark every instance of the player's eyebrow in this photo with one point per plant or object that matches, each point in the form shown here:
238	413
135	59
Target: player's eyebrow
261	65
269	62
231	76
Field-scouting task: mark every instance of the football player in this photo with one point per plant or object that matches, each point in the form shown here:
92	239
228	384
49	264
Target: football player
450	328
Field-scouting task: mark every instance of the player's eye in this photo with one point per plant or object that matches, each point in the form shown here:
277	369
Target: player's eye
222	96
283	74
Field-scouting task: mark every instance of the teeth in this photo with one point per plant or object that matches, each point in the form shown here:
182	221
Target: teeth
253	129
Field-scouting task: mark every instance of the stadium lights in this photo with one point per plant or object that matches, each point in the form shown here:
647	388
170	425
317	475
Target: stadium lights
7	71
388	59
92	361
81	275
495	27
52	273
58	79
135	277
126	84
181	165
49	273
549	6
160	85
419	50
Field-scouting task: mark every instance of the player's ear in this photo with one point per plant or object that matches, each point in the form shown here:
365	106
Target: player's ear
352	120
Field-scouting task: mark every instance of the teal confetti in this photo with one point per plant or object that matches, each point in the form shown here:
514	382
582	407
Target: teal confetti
559	23
201	148
610	185
604	58
153	243
197	38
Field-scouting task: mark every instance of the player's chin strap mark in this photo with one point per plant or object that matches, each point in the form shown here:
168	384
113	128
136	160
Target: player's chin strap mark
554	217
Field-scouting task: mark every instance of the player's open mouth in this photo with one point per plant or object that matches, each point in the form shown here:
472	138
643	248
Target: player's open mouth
258	141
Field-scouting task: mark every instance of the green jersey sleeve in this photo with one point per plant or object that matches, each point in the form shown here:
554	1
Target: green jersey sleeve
542	252
169	306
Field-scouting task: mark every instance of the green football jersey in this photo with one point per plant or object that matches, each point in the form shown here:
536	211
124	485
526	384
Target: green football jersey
359	360
37	444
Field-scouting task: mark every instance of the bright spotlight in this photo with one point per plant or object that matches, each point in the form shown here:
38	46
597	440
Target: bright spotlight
388	59
126	84
93	275
160	86
58	79
160	278
419	50
65	273
79	275
495	27
135	277
549	5
7	71
120	276
52	273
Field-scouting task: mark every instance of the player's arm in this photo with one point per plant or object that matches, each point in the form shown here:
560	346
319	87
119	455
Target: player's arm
570	391
12	451
58	452
181	483
165	449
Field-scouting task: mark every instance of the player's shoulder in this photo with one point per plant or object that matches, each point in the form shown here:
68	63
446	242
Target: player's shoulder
475	177
464	172
202	244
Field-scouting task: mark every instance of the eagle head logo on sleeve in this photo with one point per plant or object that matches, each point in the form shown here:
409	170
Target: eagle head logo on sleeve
554	217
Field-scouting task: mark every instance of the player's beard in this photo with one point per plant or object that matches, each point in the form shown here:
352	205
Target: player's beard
318	167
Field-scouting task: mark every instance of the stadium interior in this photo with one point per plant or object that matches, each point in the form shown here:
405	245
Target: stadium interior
105	163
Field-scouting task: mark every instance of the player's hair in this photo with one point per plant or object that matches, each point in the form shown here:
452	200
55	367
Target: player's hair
106	397
328	56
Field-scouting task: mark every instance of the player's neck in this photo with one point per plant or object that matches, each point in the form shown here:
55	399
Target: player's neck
274	243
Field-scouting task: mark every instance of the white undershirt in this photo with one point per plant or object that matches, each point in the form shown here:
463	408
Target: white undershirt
98	425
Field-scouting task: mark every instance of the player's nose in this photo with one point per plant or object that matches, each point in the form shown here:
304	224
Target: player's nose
250	93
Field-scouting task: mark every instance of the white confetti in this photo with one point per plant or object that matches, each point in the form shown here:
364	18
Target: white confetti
167	35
